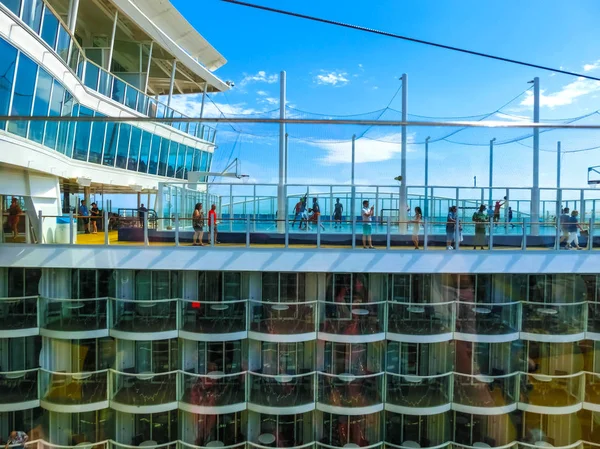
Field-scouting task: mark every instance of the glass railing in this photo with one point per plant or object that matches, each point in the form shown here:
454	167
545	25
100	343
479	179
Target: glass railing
18	386
487	319
18	313
485	391
55	33
419	391
552	391
210	441
282	439
213	317
214	389
282	390
129	315
592	388
87	443
147	443
82	388
282	317
73	315
420	318
349	390
553	318
143	389
359	318
593	323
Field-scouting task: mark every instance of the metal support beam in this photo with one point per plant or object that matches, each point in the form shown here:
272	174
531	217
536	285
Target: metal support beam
281	200
172	83
403	186
72	15
535	191
426	202
491	178
148	67
203	99
352	181
112	40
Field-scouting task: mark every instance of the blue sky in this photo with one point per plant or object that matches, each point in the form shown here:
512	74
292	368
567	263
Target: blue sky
335	71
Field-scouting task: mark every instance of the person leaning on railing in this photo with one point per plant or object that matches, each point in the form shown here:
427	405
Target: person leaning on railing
16	440
14	215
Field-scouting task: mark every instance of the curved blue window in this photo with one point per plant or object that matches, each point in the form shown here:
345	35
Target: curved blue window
189	156
32	14
82	135
145	152
179	168
41	105
172	159
134	149
13	5
23	93
164	157
8	60
154	152
57	104
123	148
110	144
97	142
92	73
63	44
49	28
197	160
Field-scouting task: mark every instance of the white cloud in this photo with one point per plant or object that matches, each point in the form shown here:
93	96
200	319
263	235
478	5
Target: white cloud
332	78
270	100
190	105
593	66
260	77
367	150
566	95
262	93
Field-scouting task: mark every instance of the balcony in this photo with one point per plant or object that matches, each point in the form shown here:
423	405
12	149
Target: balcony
352	322
132	319
292	393
350	394
426	395
213	321
593	324
550	322
288	321
143	392
473	392
74	392
592	392
18	390
19	316
487	323
213	393
541	393
423	323
73	318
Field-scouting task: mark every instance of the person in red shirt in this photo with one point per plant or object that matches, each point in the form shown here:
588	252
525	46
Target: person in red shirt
212	221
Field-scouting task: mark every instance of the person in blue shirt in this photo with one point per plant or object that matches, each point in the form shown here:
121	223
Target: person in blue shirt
85	215
572	227
451	227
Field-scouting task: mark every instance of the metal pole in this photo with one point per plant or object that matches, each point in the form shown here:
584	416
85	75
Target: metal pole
148	68
106	221
318	231
491	179
282	154
145	217
177	229
203	98
388	235
112	40
535	191
73	11
403	187
27	229
247	232
172	82
558	197
285	177
71	227
40	231
352	186
426	203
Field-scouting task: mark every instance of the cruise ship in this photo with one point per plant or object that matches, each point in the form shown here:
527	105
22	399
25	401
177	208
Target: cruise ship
280	332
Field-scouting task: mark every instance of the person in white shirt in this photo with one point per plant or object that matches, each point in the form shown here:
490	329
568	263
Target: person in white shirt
367	216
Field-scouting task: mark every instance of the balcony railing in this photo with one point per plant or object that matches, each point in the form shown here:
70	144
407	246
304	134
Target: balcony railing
487	319
73	315
82	388
420	318
18	313
419	391
349	390
282	317
552	391
553	319
215	389
143	389
18	386
213	317
485	391
282	390
143	316
359	318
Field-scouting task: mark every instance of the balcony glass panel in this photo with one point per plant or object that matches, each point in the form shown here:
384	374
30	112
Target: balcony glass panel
145	152
73	315
553	319
82	136
485	391
144	316
92	74
110	144
351	431
13	5
163	158
63	43
352	318
8	56
214	317
56	104
214	389
134	148
105	84
348	390
282	318
592	388
418	391
551	391
32	14
420	319
154	153
23	93
174	147
97	141
18	386
49	28
74	388
594	317
18	313
282	390
123	146
118	91
131	97
487	319
143	389
40	105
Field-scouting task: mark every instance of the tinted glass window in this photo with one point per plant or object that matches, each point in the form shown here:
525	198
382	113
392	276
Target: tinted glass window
32	14
82	137
91	76
13	5
110	144
154	152
63	43
172	159
8	58
97	141
40	105
23	93
145	152
123	148
56	102
164	157
50	28
134	148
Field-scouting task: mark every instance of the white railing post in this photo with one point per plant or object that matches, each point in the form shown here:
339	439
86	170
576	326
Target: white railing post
456	233
388	236
145	222
27	229
106	225
212	231
425	233
71	227
590	242
557	233
353	231
287	232
40	230
177	229
524	243
247	232
491	232
318	231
